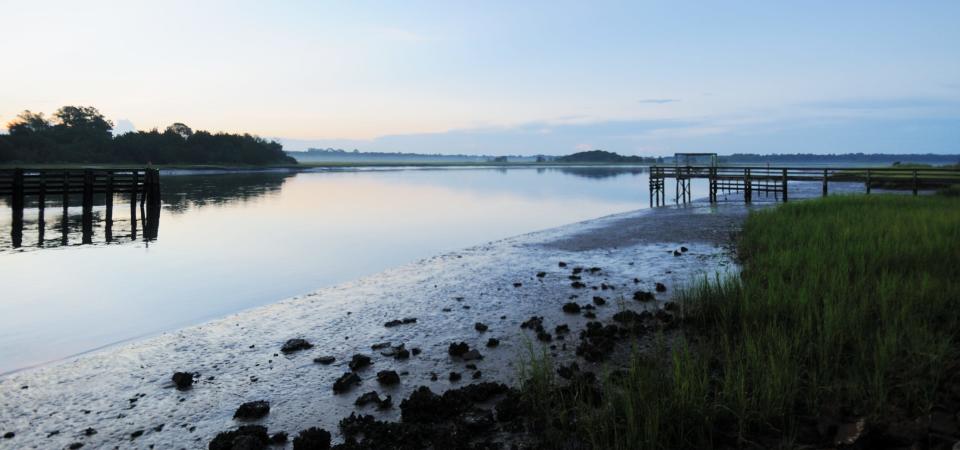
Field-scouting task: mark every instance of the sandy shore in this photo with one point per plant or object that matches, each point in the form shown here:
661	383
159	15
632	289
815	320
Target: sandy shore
126	391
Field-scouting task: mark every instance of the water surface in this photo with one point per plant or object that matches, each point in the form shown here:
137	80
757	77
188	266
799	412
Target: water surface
228	242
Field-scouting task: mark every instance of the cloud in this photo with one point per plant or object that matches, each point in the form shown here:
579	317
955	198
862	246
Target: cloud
658	101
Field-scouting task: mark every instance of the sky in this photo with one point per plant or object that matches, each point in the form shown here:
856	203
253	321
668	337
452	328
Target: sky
491	77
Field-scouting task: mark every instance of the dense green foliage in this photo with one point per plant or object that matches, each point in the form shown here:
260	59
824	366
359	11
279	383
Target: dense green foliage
83	135
844	303
600	156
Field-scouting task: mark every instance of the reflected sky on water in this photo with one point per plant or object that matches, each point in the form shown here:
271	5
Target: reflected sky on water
228	242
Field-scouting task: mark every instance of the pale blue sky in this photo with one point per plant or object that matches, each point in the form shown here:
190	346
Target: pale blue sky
504	77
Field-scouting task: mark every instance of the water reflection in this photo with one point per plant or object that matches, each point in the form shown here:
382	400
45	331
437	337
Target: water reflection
236	241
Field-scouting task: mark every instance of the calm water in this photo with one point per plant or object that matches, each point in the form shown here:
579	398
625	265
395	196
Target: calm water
228	242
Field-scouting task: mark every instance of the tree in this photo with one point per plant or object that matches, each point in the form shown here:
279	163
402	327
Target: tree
86	118
181	129
28	122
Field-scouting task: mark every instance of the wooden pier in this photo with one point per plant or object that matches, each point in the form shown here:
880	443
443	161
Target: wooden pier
41	185
767	180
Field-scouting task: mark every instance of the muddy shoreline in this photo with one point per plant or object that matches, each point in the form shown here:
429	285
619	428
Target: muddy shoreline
126	395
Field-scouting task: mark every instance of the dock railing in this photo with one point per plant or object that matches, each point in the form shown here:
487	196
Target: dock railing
775	180
140	184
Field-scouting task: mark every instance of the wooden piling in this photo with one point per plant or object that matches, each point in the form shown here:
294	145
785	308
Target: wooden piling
916	185
784	187
747	187
824	182
16	205
868	181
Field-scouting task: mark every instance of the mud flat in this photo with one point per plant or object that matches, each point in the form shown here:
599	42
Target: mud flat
125	396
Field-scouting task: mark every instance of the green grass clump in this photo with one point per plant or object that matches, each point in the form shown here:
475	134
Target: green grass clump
843	302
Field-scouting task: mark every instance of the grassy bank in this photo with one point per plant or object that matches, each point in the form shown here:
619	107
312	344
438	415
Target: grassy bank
846	312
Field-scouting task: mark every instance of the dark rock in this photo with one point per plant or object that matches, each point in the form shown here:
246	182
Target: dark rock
577	285
446	309
660	287
481	327
246	443
358	362
397	322
577	270
226	440
369	397
471	366
345	382
75	445
388	377
458	349
683	249
402	354
295	345
588	307
455	376
599	301
136	434
89	432
312	438
541	274
416	351
567	372
252	410
493	342
594	269
643	296
477	419
433	376
571	308
590	315
626	316
477	375
182	380
534	323
574	278
325	360
279	437
9	435
671	306
562	264
562	329
379	345
663	316
516	285
544	336
676	253
472	355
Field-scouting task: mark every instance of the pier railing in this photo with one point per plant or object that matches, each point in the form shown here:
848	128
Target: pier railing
775	180
41	185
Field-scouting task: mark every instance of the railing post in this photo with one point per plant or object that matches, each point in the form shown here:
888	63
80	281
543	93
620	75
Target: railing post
784	188
915	182
133	204
824	182
868	181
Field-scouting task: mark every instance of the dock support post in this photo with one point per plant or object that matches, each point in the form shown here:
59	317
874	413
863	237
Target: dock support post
17	208
915	182
868	181
152	214
87	217
747	187
41	205
784	181
108	231
133	205
65	218
824	182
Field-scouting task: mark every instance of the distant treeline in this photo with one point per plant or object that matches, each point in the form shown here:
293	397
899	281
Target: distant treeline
340	155
927	158
601	156
80	134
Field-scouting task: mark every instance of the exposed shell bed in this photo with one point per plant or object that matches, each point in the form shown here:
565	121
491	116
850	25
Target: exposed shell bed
127	389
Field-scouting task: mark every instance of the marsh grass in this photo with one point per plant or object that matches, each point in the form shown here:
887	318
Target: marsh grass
843	302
